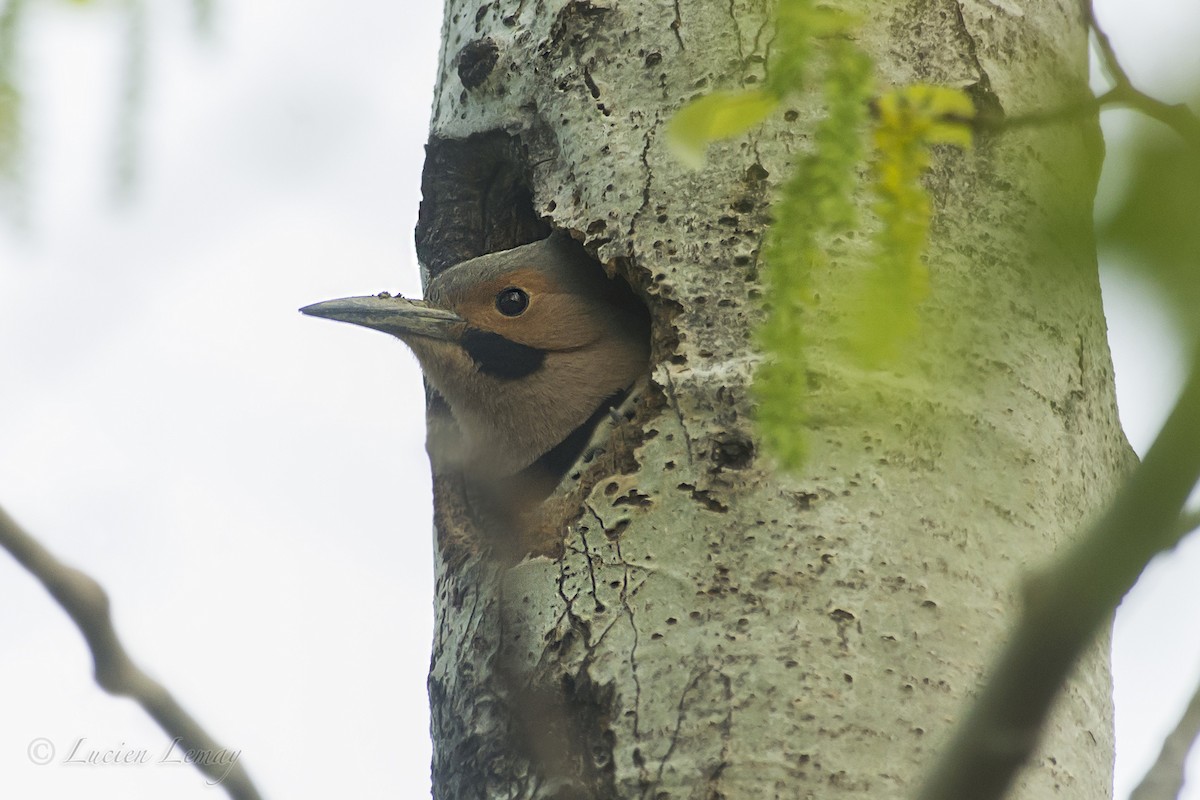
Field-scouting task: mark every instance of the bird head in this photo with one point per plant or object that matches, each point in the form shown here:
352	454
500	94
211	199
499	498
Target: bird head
527	346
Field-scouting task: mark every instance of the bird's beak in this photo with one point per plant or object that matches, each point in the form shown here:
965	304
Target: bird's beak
395	315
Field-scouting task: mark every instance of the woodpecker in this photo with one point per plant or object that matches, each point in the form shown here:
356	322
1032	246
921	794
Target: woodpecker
530	348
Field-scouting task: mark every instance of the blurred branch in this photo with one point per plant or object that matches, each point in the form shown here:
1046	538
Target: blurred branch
87	604
1164	780
1177	116
202	16
1065	605
1188	522
132	101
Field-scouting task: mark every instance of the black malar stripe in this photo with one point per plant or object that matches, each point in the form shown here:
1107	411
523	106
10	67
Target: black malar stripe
500	357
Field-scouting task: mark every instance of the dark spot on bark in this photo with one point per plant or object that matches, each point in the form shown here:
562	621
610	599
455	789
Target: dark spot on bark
733	451
476	60
804	500
633	498
987	105
705	498
591	84
616	530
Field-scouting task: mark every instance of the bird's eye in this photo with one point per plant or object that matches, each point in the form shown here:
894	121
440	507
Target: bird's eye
512	302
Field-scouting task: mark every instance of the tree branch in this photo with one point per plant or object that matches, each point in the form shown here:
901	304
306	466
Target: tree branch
1178	117
87	604
1065	605
1164	780
1188	522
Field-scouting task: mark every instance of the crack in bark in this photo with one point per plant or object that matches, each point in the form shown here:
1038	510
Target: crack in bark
1081	350
569	602
972	53
649	175
633	672
726	728
687	439
737	32
587	554
766	23
459	658
676	25
662	764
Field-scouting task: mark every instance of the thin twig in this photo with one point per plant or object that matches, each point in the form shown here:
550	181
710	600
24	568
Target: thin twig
1177	116
86	602
1164	780
1108	56
1065	605
997	122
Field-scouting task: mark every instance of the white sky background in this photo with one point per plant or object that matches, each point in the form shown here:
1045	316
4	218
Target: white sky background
250	485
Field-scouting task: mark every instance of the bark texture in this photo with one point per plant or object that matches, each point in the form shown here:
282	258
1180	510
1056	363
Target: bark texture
700	626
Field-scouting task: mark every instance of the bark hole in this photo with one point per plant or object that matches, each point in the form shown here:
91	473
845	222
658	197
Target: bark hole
476	199
476	61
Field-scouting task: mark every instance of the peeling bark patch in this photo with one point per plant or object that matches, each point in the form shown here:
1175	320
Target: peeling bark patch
476	60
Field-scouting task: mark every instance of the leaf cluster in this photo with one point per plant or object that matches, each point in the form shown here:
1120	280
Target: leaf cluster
817	201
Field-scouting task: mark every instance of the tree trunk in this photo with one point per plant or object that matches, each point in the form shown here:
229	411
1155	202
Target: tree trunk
701	625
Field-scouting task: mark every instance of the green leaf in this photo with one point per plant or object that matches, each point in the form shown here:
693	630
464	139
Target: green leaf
816	202
720	115
909	120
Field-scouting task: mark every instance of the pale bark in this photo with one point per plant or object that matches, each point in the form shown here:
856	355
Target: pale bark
713	628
